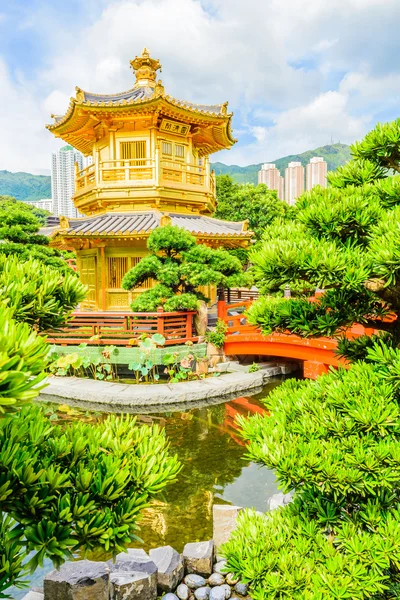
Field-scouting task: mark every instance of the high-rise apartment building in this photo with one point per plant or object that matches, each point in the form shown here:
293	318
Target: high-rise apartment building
316	172
294	182
272	178
45	204
63	180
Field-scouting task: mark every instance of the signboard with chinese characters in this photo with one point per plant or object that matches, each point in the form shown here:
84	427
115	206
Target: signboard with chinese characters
174	127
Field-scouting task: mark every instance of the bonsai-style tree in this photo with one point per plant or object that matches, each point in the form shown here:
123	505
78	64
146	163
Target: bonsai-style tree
334	441
180	266
19	227
62	488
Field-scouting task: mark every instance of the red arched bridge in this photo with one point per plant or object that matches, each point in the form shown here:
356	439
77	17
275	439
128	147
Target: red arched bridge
317	354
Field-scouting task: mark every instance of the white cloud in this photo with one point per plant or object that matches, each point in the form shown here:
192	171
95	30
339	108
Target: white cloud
217	50
24	143
304	128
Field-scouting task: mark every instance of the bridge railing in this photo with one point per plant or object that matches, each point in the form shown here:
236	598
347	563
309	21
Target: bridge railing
233	315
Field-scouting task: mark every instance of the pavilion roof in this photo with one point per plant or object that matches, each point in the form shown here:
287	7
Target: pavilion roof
87	110
113	224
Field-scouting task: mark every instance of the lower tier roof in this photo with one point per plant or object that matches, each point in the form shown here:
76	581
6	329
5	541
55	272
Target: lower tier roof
130	223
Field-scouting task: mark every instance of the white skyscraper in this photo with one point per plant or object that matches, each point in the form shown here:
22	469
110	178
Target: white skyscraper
317	170
45	204
63	180
272	178
294	182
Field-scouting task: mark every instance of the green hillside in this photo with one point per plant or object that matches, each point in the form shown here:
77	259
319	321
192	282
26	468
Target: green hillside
24	186
334	154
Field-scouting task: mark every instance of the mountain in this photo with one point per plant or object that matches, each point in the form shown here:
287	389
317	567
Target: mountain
24	186
334	154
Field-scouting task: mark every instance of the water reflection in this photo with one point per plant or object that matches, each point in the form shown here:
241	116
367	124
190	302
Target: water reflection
215	470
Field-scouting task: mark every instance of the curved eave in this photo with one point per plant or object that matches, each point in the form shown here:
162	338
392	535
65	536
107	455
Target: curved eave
73	126
61	236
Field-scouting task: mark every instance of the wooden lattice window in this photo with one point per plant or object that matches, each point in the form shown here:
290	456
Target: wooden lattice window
134	151
166	148
117	266
179	151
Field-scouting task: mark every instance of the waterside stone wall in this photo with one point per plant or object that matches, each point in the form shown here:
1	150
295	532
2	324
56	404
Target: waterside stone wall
198	573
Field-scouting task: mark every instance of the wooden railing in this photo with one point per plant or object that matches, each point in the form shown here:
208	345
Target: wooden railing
182	173
143	171
233	315
237	294
122	329
115	171
85	178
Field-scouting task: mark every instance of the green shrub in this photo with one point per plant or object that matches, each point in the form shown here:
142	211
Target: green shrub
23	358
336	442
217	336
75	486
38	294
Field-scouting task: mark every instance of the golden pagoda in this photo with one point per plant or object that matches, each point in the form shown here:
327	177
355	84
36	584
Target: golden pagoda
150	167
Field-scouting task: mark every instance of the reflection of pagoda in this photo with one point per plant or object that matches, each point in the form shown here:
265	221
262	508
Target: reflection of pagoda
150	168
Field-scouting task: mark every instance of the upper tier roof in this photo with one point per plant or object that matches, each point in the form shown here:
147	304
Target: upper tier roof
88	110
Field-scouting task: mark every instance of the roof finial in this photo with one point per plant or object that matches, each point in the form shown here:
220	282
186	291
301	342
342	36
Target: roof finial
145	69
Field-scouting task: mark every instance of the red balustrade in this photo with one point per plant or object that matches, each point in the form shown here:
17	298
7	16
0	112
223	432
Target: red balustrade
121	329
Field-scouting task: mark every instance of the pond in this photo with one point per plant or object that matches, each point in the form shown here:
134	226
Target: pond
215	470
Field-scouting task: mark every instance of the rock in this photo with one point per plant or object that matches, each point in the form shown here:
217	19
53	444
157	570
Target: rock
220	566
133	576
202	593
170	568
135	554
242	589
227	590
80	580
216	579
170	597
33	596
182	591
201	318
231	579
279	500
194	581
217	593
276	501
198	558
224	522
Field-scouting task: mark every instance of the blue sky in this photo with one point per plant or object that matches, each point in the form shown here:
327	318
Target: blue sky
296	72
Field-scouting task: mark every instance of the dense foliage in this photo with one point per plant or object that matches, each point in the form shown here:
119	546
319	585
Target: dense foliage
180	266
23	358
39	295
335	441
343	239
19	227
79	486
61	488
257	204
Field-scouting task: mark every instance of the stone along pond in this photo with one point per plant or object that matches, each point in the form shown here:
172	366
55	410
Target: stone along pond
215	471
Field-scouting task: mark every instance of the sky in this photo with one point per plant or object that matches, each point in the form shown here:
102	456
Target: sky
297	73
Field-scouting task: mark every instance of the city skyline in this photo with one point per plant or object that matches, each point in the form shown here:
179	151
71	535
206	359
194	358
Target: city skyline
297	178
